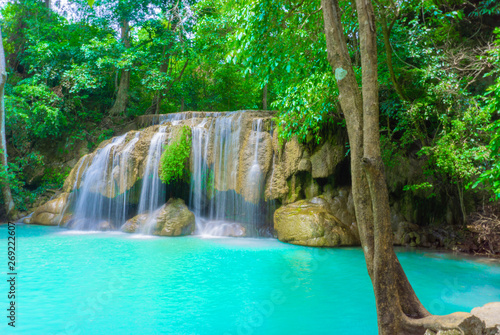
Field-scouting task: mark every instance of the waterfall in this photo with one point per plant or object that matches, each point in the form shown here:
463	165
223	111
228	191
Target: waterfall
226	144
218	208
200	177
92	209
229	164
121	211
255	179
153	190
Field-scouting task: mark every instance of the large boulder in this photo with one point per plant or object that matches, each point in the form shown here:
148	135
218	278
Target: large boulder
172	219
311	223
50	213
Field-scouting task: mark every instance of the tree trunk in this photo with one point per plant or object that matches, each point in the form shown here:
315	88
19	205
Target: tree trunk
7	195
398	309
122	96
264	97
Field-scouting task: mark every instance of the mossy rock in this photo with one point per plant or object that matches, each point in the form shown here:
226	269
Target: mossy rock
311	223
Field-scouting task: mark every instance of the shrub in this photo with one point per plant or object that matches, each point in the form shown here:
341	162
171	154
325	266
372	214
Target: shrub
174	159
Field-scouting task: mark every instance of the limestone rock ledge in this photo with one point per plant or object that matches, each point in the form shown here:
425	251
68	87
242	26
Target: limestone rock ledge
50	213
483	320
311	223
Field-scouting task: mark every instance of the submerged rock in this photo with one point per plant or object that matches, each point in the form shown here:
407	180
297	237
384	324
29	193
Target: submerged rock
49	214
134	223
104	225
311	223
226	229
172	219
236	230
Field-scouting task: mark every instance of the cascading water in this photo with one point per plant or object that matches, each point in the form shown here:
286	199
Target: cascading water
153	190
200	177
255	178
92	209
218	208
121	211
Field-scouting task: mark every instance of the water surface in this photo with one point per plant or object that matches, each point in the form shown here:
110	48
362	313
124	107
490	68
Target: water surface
113	283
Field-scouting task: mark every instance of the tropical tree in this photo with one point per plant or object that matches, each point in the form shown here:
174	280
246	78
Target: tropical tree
4	173
166	45
399	310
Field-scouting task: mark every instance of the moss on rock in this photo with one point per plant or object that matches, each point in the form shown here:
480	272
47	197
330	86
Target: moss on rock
311	223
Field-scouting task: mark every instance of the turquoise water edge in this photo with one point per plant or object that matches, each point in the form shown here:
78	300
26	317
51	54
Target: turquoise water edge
73	282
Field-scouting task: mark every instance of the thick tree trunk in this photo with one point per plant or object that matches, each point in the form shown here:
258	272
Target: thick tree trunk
122	96
398	309
7	195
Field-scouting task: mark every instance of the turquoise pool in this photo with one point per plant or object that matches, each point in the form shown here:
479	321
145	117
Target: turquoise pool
113	283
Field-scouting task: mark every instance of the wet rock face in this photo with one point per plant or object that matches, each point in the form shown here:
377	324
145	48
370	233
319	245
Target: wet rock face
172	219
293	159
311	223
50	213
254	166
127	162
325	160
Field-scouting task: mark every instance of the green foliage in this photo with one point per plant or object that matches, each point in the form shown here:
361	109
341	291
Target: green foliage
105	135
304	111
174	159
33	107
22	196
416	187
490	176
458	150
64	70
487	7
55	177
